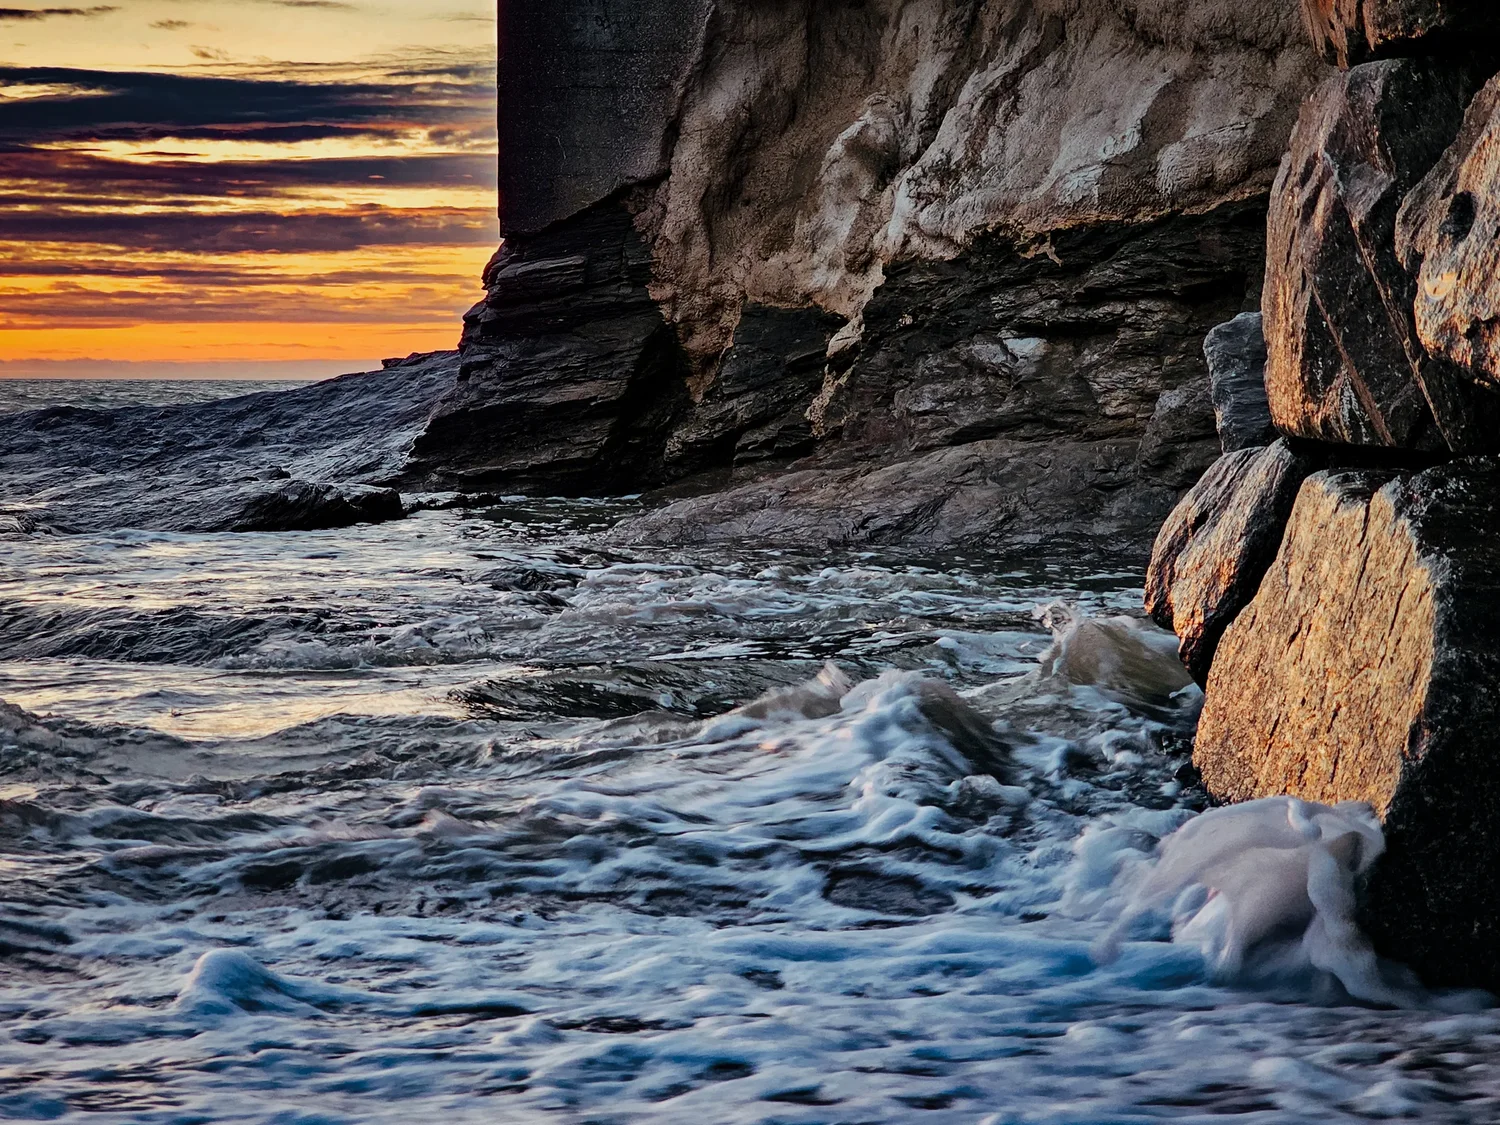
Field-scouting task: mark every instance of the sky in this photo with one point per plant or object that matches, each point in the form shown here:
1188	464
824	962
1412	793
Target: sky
241	187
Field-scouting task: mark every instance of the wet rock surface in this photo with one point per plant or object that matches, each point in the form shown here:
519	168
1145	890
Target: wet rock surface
1365	669
1344	362
997	493
274	459
1217	544
1236	354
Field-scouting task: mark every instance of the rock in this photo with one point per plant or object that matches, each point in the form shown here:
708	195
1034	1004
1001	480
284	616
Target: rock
1216	545
1367	668
571	380
756	410
1179	444
1001	495
1344	362
1447	234
1236	354
301	505
1349	32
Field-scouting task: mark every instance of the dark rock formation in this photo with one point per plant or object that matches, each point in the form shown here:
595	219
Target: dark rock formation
299	505
1348	32
1217	544
989	494
570	379
1236	354
756	410
196	467
1366	668
589	93
1345	364
1448	234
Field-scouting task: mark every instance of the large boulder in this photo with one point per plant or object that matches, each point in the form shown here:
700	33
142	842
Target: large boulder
1344	362
1236	354
1348	32
1216	545
299	505
1448	234
1367	668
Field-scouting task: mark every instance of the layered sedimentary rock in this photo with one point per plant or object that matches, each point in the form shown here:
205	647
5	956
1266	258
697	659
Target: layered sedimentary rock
1366	669
1348	32
1217	544
1002	222
1345	363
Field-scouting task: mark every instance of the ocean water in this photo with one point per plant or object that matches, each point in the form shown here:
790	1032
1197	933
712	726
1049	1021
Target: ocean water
104	394
473	815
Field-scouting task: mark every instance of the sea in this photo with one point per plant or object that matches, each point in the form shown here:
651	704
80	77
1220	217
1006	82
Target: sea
481	816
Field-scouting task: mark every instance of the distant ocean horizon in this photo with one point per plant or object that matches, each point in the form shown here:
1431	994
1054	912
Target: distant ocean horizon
109	393
89	370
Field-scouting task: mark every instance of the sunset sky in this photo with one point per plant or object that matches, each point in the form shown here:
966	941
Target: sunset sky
241	186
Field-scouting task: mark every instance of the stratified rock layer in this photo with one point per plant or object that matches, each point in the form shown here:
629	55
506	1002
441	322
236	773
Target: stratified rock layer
1344	362
1217	544
1348	32
1367	668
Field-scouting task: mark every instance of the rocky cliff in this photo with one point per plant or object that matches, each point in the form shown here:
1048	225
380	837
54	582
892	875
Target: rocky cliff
896	236
1335	590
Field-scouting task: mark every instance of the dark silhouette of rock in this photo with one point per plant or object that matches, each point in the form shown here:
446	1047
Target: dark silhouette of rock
1236	354
1367	668
1216	545
1448	235
300	505
1344	361
570	380
1349	32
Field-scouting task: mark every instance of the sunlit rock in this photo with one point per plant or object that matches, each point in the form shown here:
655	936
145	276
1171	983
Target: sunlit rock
1366	668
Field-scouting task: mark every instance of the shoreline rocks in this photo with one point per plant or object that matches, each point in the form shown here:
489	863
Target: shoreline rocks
1366	669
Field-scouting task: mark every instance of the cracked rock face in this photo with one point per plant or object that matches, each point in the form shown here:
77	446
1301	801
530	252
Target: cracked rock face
1344	361
1366	669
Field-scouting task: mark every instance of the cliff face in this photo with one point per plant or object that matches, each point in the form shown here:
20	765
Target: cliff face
876	230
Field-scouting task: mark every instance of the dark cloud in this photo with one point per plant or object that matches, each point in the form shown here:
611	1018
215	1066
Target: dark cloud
171	25
107	181
14	14
103	104
212	232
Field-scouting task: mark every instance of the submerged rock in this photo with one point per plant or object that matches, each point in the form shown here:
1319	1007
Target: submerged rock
1344	362
1366	668
1216	545
301	505
1348	32
1236	354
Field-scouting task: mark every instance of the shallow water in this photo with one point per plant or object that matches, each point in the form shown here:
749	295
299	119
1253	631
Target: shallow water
462	815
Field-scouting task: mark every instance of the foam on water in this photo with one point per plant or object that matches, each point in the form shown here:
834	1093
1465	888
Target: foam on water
692	839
